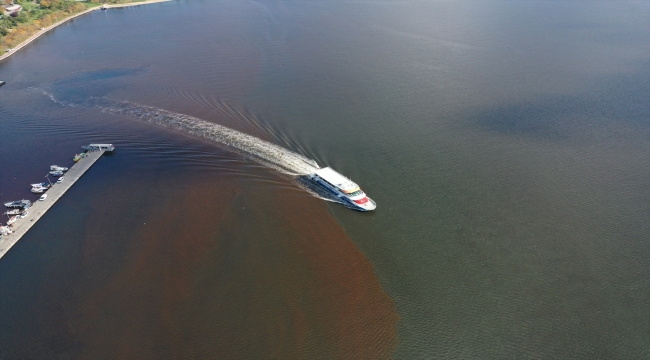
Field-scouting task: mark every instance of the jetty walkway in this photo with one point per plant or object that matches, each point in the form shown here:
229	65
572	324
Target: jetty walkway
39	208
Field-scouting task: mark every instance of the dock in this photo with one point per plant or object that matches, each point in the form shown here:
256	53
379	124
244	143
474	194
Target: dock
39	208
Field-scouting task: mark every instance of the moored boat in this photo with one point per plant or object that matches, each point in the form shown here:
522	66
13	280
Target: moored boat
43	184
24	204
39	188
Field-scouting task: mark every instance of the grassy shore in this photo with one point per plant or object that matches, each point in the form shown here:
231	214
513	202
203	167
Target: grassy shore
40	15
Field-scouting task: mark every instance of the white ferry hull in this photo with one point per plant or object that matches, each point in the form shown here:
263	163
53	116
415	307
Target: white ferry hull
364	204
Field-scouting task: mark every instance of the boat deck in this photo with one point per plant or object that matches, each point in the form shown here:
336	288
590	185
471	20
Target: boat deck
39	208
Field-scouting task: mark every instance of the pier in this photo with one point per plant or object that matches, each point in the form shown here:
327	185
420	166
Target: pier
39	208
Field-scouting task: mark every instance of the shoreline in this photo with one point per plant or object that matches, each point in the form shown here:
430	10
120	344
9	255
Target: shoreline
42	32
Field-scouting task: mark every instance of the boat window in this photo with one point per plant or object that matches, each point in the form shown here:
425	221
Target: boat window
356	193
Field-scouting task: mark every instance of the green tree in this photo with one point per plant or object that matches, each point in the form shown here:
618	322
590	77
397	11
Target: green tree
22	17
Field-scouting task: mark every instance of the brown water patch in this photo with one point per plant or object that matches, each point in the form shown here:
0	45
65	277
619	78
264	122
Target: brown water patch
285	281
237	270
363	317
135	315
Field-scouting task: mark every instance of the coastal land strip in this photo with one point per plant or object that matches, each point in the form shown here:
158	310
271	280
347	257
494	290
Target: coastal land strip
47	29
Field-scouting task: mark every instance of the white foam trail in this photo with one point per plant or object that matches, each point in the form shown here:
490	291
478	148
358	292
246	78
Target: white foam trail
274	156
277	157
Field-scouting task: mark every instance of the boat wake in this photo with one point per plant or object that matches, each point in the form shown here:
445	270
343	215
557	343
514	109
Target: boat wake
264	152
274	156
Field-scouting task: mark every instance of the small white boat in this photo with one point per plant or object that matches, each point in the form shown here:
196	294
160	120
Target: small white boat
13	212
60	180
58	168
12	220
41	186
19	204
43	197
56	172
38	190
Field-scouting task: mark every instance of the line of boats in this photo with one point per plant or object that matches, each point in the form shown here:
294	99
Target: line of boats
19	211
19	208
55	170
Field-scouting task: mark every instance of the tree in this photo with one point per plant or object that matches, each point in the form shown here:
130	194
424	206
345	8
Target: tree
22	17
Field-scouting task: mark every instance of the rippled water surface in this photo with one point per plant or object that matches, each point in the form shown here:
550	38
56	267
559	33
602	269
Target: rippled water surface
505	143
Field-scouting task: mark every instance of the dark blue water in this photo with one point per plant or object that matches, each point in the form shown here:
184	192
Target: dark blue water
505	142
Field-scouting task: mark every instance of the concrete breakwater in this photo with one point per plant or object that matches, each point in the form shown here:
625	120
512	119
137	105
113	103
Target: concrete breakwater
39	208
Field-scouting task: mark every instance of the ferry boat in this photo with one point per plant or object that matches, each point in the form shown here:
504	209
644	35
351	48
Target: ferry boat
343	188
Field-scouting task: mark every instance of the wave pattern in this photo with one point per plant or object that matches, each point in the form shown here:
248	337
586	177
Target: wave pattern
264	152
274	156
